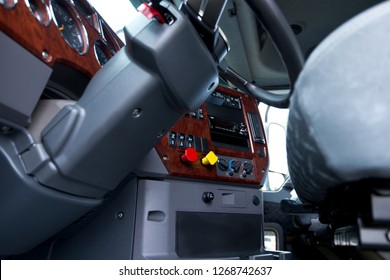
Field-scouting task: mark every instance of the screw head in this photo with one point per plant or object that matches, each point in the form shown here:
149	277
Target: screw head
46	56
120	215
136	113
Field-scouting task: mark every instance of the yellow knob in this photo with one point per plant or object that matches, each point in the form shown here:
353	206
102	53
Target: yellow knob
210	159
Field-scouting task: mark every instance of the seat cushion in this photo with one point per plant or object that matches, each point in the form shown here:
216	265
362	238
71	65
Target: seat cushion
339	122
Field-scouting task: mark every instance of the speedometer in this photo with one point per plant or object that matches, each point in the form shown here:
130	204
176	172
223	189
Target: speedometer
70	25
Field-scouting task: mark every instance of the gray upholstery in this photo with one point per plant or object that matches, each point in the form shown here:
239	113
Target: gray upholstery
339	123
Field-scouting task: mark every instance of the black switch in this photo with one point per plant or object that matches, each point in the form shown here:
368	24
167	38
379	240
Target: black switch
172	139
182	139
190	141
261	152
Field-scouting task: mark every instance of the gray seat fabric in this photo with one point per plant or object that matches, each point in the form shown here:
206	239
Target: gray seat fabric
339	123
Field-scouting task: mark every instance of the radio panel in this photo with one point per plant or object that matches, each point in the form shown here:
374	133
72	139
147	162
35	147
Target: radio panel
223	140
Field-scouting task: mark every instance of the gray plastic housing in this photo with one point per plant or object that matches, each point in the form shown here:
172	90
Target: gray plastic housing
23	78
29	212
158	205
164	71
140	222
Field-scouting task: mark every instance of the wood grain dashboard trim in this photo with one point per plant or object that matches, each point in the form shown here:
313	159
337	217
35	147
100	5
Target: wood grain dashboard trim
46	42
170	156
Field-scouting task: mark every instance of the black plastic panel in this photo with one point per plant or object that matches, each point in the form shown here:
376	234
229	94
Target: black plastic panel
220	235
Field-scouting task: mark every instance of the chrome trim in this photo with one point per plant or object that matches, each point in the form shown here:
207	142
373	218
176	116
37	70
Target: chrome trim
79	22
94	15
224	38
9	4
47	10
105	45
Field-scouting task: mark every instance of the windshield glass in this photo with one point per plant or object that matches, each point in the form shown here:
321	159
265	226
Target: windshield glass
116	13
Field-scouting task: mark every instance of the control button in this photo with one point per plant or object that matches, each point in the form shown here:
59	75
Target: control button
248	167
193	114
182	139
210	159
222	164
190	155
200	114
172	139
208	197
256	200
234	165
190	141
235	103
261	152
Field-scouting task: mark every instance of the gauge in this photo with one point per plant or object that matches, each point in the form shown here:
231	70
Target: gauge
39	10
103	52
86	11
8	4
107	34
70	25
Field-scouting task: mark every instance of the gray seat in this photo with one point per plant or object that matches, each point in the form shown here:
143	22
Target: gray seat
339	123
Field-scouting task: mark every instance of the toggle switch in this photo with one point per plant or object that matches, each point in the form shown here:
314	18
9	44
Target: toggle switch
210	159
190	155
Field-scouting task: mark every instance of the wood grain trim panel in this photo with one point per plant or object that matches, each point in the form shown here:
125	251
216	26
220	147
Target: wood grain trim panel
20	25
193	126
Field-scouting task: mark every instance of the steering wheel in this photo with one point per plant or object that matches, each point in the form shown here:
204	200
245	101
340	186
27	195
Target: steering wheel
274	21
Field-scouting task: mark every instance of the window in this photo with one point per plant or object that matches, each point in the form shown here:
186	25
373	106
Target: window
275	125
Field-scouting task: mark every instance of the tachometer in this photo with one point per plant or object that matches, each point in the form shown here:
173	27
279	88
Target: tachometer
70	25
39	10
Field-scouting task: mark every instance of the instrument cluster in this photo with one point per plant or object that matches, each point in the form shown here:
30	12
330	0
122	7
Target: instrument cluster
70	32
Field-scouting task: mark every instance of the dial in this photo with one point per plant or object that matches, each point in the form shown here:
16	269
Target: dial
234	165
103	52
248	167
86	11
8	4
222	164
70	26
39	10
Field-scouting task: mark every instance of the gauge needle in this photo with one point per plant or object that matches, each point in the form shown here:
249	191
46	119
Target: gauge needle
61	28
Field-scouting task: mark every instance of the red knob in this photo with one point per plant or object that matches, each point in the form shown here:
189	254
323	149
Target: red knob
190	155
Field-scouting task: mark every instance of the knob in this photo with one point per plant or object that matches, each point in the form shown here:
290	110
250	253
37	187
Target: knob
190	155
210	159
234	165
222	164
248	167
208	197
